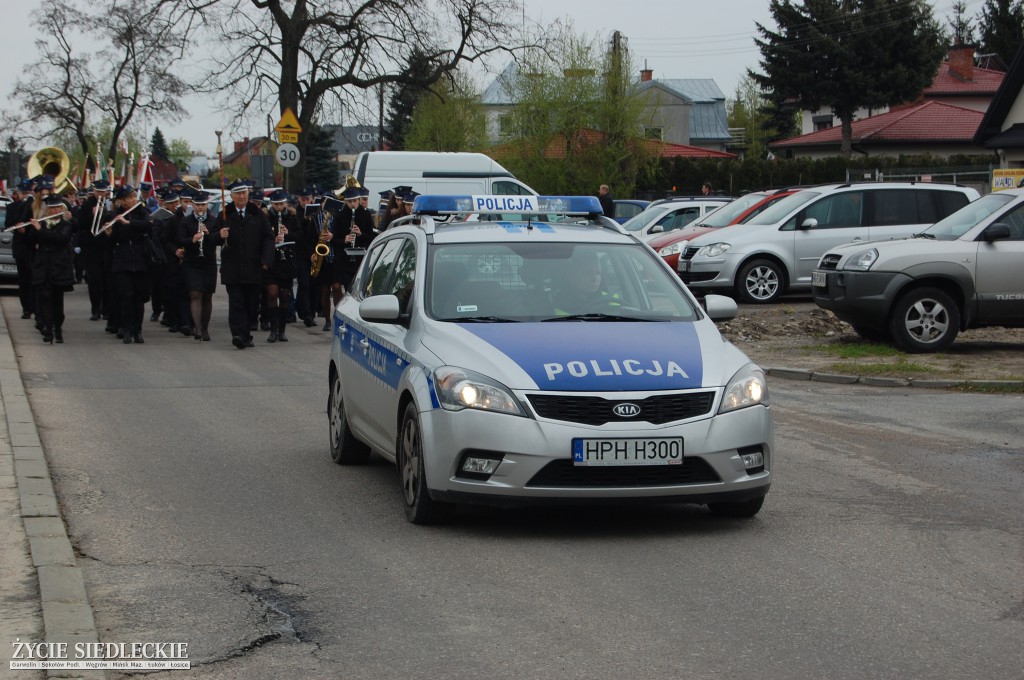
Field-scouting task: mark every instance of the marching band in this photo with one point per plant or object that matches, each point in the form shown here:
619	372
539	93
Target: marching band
281	259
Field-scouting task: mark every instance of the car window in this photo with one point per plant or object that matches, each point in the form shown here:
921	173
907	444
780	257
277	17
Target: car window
951	201
377	278
779	210
894	207
677	219
627	210
1015	220
538	281
401	284
730	211
838	210
960	222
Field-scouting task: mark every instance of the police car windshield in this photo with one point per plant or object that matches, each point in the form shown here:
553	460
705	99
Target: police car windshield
960	222
533	282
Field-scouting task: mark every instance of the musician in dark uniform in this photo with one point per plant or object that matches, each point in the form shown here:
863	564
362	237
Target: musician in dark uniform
53	269
92	247
199	266
131	226
20	210
278	279
172	285
305	293
396	207
351	230
247	250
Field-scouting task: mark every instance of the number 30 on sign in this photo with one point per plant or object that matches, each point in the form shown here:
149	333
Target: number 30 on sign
287	155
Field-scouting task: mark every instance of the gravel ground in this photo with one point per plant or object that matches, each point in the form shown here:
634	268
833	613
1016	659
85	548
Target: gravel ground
799	334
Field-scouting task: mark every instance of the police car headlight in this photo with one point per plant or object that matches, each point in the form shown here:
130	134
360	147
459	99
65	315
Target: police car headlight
862	262
459	389
713	250
747	388
669	250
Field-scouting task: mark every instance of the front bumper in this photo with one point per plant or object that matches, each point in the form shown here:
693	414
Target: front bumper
859	298
718	273
537	460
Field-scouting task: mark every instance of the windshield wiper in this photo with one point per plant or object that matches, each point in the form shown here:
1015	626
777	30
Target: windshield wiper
597	317
924	234
479	319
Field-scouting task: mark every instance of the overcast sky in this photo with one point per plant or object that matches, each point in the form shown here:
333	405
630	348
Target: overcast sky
676	38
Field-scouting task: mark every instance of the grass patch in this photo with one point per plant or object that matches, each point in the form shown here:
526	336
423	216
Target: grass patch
899	368
856	350
992	389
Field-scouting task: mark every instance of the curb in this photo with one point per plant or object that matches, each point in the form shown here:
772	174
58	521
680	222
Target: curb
67	614
875	381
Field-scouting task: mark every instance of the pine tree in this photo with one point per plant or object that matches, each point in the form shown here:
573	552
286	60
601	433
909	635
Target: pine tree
158	146
405	97
849	54
321	166
1002	27
961	27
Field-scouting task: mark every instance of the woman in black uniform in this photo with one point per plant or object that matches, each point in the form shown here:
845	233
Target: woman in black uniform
278	279
351	231
199	267
53	271
129	230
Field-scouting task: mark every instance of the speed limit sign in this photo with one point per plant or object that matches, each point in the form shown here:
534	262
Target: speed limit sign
288	155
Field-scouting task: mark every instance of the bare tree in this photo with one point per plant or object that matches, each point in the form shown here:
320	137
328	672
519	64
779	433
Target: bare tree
307	54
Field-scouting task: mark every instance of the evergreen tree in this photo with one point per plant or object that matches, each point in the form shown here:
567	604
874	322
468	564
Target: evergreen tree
849	54
404	98
960	26
158	146
321	165
1002	27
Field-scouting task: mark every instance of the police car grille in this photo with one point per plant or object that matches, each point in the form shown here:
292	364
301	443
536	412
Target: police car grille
662	408
830	261
562	473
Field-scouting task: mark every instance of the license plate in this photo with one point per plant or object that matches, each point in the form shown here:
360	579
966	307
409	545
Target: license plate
8	267
684	265
818	279
594	452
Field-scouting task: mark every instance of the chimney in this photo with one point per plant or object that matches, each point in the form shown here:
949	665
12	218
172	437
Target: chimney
961	62
646	74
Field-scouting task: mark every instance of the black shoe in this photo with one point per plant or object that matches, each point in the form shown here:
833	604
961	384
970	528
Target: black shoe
108	329
26	315
94	317
58	335
309	322
126	338
237	341
188	330
327	325
272	337
137	338
172	329
248	342
48	336
196	336
281	337
291	318
121	335
206	337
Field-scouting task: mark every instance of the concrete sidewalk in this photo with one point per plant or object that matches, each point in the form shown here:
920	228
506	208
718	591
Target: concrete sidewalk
43	591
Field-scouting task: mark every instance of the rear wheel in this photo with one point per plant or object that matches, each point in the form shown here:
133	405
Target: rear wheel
760	282
925	320
741	509
420	508
345	448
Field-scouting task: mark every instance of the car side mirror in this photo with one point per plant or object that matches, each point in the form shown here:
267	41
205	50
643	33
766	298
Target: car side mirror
809	223
657	229
380	309
996	232
720	307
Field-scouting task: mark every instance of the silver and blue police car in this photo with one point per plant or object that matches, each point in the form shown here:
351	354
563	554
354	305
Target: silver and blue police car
550	358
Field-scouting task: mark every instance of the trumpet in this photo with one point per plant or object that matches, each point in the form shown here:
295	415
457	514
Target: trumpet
104	227
29	223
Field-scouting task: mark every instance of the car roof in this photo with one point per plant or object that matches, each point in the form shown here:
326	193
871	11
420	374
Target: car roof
504	232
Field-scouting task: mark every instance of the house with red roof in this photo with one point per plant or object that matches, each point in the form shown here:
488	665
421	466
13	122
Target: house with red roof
942	122
1002	128
558	147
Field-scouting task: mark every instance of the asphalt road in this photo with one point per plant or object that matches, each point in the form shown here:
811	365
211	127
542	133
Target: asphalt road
196	485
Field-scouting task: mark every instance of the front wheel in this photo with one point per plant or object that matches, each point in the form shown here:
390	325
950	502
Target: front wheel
345	448
420	508
760	282
925	320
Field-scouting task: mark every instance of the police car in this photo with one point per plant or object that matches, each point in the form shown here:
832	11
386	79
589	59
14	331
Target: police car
529	361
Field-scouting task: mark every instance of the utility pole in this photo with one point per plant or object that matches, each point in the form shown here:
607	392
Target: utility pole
380	118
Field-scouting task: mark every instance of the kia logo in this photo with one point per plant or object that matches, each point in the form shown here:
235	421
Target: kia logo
626	410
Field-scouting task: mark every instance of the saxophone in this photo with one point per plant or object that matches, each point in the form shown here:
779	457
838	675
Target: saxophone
322	250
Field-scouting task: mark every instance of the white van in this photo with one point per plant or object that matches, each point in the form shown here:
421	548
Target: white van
429	172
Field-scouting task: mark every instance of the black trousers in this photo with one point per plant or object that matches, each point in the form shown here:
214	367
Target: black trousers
133	290
243	306
50	308
305	292
94	274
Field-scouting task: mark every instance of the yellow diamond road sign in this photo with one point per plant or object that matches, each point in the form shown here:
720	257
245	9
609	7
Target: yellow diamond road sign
288	123
288	137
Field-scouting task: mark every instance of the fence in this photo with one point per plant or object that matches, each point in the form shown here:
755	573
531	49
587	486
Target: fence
976	178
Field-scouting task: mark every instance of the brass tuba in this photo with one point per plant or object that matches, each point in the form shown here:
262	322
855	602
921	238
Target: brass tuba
55	163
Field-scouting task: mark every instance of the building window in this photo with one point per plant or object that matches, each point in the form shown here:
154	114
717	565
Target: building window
506	125
822	122
654	133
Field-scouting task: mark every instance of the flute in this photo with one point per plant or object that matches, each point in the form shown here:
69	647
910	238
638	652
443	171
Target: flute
29	223
111	222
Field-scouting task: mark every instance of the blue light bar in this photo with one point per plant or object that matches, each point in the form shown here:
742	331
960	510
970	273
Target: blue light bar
523	205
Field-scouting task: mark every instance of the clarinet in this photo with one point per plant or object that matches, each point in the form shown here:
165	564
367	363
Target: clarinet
201	221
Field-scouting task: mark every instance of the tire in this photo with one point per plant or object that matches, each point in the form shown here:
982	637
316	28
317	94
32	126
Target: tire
873	334
420	508
742	509
345	448
925	320
760	282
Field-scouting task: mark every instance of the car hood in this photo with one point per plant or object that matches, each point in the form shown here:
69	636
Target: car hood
590	356
901	253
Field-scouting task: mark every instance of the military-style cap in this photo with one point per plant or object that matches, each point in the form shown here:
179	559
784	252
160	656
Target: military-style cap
100	185
351	193
239	185
307	191
44	182
401	191
124	192
25	185
279	196
171	196
53	200
176	183
201	197
145	186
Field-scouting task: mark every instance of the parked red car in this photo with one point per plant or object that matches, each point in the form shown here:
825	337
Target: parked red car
670	244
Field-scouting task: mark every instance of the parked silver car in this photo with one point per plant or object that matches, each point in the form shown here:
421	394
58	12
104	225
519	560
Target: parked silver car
8	269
